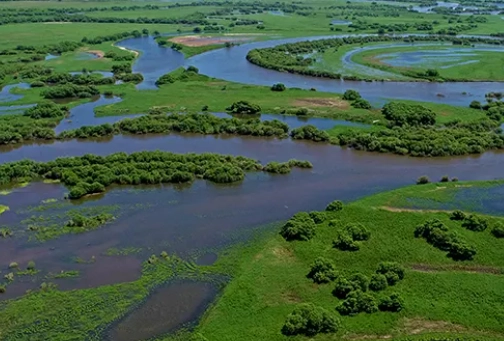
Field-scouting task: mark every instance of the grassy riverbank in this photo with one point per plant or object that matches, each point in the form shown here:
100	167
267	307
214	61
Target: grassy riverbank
442	297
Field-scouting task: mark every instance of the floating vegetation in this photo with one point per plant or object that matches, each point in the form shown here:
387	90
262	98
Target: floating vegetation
123	251
64	274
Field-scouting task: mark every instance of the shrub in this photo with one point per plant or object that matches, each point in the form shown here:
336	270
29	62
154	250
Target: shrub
461	251
401	114
13	265
342	288
37	84
322	271
335	206
357	302
392	271
475	105
278	87
423	180
379	282
299	227
31	265
318	217
393	303
475	223
445	178
361	104
351	95
345	242
3	289
244	107
359	282
308	319
357	231
165	79
205	108
192	69
309	132
498	231
457	215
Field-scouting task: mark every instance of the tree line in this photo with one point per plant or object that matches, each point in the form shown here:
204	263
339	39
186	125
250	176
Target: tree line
91	174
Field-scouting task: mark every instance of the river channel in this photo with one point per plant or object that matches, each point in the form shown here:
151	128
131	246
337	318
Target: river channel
192	220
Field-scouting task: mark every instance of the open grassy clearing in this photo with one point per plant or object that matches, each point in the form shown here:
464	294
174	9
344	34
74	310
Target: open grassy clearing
441	296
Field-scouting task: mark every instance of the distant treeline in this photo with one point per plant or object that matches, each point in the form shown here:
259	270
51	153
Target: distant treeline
90	174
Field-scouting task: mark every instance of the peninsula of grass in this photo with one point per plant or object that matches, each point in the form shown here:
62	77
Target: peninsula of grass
436	296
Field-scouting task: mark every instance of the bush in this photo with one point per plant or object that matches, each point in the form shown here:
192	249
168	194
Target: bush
13	265
244	107
379	282
475	223
445	178
165	79
357	302
351	95
192	69
278	87
393	303
461	251
31	265
37	84
299	227
423	180
335	206
309	132
322	271
357	231
392	271
343	287
475	105
318	217
457	215
361	104
359	282
401	114
498	231
345	242
308	319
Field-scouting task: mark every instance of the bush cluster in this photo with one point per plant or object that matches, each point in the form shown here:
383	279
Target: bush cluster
349	236
285	167
309	132
474	223
334	206
437	234
402	114
70	91
46	110
308	319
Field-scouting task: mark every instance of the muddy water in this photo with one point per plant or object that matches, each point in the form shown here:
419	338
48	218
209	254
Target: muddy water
165	310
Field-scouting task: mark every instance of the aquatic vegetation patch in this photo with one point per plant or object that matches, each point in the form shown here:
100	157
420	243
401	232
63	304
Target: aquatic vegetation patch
3	208
91	174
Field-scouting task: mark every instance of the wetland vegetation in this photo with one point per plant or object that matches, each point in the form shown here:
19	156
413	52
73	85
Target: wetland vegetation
107	233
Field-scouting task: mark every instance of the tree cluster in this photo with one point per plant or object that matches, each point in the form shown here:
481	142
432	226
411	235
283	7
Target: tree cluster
349	237
308	319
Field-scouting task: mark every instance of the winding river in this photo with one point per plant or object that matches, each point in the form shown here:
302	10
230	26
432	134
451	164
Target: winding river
188	219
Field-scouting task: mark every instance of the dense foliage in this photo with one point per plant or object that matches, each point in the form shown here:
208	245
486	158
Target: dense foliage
70	90
300	227
308	319
322	271
401	114
244	107
90	174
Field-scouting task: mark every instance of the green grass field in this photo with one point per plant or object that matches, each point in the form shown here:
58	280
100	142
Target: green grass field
442	296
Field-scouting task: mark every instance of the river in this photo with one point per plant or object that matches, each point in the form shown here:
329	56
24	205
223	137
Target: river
189	220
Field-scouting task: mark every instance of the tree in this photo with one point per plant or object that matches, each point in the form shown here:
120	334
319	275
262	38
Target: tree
308	319
361	104
278	87
351	95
